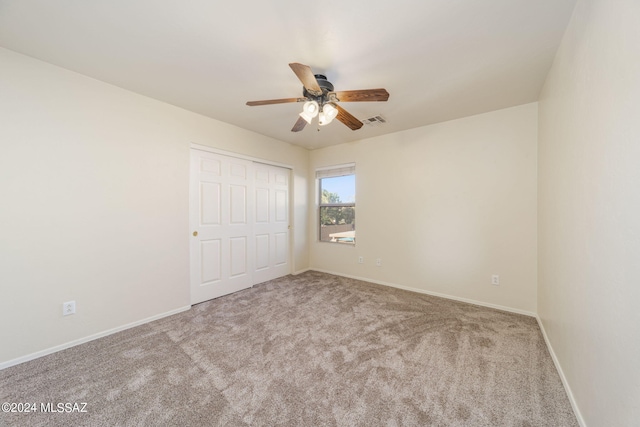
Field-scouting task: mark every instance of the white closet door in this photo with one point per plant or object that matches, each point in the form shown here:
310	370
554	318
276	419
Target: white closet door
271	228
221	218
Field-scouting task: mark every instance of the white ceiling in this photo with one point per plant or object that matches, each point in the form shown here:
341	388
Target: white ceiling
439	59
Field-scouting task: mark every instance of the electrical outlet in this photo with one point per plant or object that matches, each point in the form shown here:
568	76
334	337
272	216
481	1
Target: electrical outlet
378	262
495	280
360	260
68	308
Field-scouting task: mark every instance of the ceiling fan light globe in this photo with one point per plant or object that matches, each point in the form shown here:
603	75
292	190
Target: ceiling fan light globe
330	112
306	117
323	119
311	108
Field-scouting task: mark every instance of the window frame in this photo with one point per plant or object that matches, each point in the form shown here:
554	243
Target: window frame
333	172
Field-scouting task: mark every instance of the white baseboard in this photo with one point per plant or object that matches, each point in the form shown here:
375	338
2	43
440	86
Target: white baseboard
565	383
301	271
435	294
79	341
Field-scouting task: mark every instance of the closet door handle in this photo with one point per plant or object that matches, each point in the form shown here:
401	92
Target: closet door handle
195	233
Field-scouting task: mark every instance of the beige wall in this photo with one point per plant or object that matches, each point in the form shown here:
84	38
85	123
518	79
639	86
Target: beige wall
589	210
94	207
94	203
444	206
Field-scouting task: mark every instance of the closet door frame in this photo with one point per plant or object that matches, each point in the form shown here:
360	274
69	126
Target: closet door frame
197	291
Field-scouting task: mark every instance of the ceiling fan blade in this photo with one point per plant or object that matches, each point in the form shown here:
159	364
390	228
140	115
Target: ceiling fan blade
275	101
348	119
361	95
300	124
307	78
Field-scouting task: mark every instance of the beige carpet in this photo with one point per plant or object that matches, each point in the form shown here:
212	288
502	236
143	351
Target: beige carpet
306	350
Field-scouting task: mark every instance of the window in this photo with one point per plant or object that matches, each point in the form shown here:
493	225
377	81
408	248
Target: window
337	204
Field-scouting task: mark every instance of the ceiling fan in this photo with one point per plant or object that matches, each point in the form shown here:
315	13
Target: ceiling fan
320	100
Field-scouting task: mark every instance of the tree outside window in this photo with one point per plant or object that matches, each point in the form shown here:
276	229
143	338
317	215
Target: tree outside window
337	209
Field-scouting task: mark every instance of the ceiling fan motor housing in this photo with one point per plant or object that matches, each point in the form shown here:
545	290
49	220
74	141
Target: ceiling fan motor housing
325	86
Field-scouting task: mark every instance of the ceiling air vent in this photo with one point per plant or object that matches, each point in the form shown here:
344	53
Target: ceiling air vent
375	121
